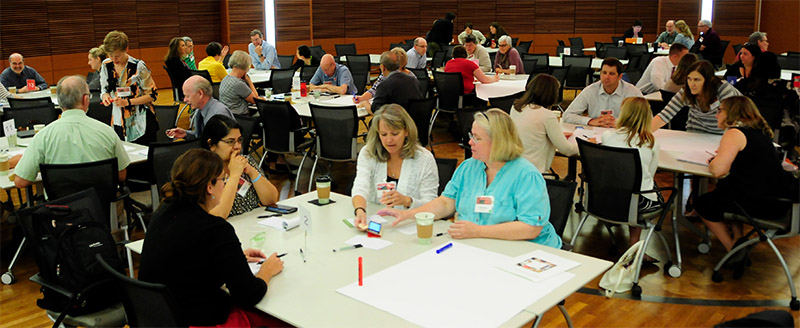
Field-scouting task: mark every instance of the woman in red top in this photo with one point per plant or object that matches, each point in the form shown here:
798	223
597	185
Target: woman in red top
469	70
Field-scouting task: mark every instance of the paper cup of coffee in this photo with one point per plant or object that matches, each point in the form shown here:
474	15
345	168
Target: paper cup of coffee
4	164
323	189
38	127
424	227
513	69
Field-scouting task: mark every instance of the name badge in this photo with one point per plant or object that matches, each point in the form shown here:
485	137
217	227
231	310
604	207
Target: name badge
385	187
123	91
244	186
484	204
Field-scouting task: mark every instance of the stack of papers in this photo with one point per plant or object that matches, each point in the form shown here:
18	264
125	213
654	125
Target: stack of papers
538	265
696	157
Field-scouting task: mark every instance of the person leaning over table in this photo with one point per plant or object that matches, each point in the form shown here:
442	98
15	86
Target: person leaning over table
667	37
507	56
520	206
304	57
332	77
601	96
248	185
18	74
213	62
96	57
236	90
185	224
477	51
538	127
678	78
468	30
749	172
393	154
468	69
364	98
198	93
702	93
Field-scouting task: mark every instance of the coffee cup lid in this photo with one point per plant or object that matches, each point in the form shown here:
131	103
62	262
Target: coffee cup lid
323	178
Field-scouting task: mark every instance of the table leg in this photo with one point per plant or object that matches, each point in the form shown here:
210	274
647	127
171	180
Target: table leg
572	168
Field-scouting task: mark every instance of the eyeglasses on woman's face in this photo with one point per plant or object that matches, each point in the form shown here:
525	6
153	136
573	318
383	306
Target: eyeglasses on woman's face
232	141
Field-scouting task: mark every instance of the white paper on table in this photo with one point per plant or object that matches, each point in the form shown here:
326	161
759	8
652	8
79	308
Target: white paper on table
275	223
695	157
342	100
538	265
8	127
408	229
477	294
371	243
254	267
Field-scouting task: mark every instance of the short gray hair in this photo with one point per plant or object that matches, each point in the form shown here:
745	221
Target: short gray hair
507	39
199	83
757	36
187	39
70	91
705	22
391	64
240	60
257	32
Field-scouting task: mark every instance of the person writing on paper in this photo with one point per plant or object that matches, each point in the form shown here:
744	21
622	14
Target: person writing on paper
393	155
702	93
248	185
497	193
236	90
538	127
184	225
603	98
332	77
632	130
749	172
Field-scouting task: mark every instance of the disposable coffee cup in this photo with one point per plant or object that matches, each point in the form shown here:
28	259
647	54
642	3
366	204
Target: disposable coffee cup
38	127
424	227
12	140
4	164
513	69
323	189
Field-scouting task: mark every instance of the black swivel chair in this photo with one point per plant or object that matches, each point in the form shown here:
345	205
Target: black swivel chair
446	168
523	47
337	132
207	76
160	157
542	63
615	52
28	112
450	90
167	117
283	130
560	73
97	110
286	61
359	66
438	59
250	131
529	65
506	102
317	51
281	80
345	49
307	73
633	75
423	80
580	72
421	111
576	42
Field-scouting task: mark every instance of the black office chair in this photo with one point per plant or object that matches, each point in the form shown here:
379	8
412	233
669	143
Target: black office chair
207	76
281	80
771	108
580	72
98	111
146	304
737	47
317	51
29	112
789	62
337	132
505	102
226	60
576	42
286	61
465	118
307	73
345	49
524	46
438	59
611	184
542	63
561	43
529	65
359	66
398	45
560	73
283	131
424	82
167	117
615	52
450	91
177	84
633	75
636	49
616	39
446	168
421	111
160	157
250	132
723	47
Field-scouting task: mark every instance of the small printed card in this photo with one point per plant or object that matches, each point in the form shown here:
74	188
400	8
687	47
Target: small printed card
538	265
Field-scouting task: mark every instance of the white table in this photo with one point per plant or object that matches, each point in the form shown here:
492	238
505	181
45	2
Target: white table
786	74
374	59
260	75
34	95
508	85
657	52
300	104
655	96
596	62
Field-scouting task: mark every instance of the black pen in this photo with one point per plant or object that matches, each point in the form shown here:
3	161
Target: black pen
279	256
348	247
440	234
269	215
303	255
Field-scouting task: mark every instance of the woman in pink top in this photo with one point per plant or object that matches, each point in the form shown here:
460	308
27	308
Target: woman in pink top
468	69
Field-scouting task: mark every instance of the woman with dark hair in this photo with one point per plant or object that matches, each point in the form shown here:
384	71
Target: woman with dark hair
538	126
304	57
747	57
468	69
678	78
249	185
702	93
759	81
176	67
749	172
184	225
495	32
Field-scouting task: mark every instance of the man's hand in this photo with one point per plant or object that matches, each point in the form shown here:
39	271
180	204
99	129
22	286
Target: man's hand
258	51
176	133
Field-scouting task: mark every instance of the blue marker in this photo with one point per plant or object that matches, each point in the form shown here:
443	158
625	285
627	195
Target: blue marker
444	248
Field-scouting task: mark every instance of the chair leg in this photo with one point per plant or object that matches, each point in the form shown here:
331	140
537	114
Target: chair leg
578	230
664	243
311	177
299	170
8	277
734	251
641	255
785	270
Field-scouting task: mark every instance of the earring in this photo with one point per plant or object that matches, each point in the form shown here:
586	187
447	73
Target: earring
212	197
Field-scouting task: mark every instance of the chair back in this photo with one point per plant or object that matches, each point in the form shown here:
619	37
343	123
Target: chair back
561	195
177	84
423	80
421	111
281	80
286	61
633	75
771	109
578	74
576	42
307	73
446	168
250	129
317	51
450	89
359	66
616	39
26	112
345	49
529	65
226	60
542	62
160	158
523	47
279	119
514	42
62	180
612	175
616	52
438	59
789	62
561	43
203	73
166	117
146	304
506	102
723	46
636	49
737	47
465	117
399	45
560	73
97	110
337	130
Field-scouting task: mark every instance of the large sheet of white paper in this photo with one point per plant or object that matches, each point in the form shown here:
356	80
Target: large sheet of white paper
461	287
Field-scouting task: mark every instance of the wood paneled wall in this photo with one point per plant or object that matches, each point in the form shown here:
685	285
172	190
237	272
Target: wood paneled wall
687	10
735	17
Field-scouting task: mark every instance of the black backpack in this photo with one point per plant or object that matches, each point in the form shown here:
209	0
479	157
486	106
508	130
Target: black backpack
66	243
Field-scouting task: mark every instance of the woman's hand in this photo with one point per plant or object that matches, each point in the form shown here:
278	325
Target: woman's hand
121	102
399	216
361	220
394	198
107	100
464	229
270	268
254	255
236	165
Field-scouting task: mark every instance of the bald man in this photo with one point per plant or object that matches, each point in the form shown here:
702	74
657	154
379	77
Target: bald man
417	56
198	93
668	36
332	77
17	75
73	138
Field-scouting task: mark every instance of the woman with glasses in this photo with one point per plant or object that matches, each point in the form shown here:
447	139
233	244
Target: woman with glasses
184	224
507	56
495	194
247	186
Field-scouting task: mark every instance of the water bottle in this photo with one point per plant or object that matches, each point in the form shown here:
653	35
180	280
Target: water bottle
303	89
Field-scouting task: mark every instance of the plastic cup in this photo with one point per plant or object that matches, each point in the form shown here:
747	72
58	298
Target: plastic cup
316	93
4	164
258	240
268	93
424	227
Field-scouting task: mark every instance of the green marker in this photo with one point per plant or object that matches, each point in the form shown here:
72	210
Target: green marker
348	223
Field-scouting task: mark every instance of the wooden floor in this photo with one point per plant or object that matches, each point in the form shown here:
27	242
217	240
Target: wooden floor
692	300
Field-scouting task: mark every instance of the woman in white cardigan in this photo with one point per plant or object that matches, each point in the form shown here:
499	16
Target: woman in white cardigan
538	127
393	155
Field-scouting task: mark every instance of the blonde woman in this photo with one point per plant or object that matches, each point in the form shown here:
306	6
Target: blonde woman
510	190
632	130
684	35
393	155
96	57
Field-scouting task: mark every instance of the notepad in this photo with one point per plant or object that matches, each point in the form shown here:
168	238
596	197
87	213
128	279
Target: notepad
695	157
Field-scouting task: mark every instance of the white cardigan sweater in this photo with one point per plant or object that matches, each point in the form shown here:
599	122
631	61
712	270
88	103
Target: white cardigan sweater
419	177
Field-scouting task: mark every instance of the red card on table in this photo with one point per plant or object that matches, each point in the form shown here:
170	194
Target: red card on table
31	84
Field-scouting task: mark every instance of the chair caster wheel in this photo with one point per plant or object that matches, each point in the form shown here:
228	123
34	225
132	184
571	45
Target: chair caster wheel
636	290
703	248
674	271
794	304
716	276
8	278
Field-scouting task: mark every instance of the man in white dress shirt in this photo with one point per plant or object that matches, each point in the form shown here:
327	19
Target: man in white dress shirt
660	70
603	98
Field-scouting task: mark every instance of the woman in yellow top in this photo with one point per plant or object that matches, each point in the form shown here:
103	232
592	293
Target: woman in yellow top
213	63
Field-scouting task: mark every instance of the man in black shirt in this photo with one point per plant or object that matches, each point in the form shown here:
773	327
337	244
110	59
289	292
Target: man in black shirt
441	33
17	75
397	88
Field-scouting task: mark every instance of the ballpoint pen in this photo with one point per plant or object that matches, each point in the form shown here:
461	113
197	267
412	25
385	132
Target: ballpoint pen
279	256
303	255
348	247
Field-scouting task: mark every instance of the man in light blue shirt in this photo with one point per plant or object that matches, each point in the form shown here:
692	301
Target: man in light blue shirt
602	99
417	56
332	77
263	54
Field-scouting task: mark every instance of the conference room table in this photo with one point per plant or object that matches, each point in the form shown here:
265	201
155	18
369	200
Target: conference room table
35	95
657	52
786	74
305	293
374	59
260	75
506	86
555	61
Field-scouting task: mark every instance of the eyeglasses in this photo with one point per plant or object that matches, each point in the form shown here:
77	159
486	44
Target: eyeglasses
231	141
503	45
88	94
473	137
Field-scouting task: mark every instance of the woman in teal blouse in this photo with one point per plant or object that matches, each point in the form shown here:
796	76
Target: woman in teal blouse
497	174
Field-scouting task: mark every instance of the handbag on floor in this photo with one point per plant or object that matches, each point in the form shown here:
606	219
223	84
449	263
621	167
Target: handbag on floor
619	278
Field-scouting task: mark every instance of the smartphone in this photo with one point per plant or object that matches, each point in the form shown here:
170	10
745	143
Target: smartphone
374	228
282	209
606	112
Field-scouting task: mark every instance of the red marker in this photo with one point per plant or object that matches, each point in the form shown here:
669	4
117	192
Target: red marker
360	271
